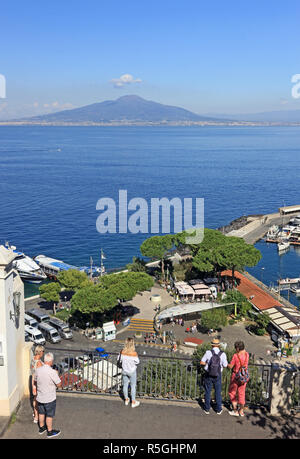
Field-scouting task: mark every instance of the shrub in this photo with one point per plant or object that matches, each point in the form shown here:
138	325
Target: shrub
260	331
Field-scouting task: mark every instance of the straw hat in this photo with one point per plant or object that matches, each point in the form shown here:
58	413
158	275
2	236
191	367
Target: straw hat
215	342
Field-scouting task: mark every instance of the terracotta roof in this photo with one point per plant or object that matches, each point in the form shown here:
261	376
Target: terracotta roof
259	297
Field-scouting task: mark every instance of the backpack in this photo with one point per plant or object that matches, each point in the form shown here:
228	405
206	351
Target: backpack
242	375
214	365
119	361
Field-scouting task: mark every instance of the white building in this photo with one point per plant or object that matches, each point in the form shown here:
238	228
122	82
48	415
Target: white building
14	352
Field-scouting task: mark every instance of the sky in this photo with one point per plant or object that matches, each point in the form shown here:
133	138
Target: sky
208	57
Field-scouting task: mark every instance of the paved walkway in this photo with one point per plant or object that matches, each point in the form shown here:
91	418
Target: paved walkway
90	417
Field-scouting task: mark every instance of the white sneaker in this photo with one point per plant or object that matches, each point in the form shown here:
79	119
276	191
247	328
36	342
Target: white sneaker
233	413
127	402
135	404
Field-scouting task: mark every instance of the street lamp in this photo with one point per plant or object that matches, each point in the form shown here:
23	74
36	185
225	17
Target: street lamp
16	303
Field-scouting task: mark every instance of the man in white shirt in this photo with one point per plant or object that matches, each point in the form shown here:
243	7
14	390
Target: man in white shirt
47	381
213	361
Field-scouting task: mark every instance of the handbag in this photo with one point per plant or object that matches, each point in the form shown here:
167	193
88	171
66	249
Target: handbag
242	375
119	361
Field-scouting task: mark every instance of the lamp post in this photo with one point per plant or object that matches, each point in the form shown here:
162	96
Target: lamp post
16	303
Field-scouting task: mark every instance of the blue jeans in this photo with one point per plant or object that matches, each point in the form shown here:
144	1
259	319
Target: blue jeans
129	377
215	382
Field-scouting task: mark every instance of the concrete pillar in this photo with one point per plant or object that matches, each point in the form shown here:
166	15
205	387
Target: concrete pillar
282	377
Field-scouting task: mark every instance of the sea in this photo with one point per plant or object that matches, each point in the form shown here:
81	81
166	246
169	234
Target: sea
51	178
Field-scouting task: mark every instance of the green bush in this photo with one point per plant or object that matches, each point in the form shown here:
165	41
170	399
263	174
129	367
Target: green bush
260	331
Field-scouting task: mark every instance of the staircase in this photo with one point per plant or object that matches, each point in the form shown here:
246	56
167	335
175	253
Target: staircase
142	325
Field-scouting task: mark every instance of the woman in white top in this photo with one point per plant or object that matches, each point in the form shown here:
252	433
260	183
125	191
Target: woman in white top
130	360
36	362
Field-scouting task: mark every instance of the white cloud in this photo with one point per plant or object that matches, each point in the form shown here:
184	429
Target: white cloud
124	79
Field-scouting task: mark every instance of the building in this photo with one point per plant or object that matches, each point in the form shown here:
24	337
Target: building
14	352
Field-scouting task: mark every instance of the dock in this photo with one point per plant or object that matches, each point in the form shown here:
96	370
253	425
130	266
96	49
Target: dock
256	227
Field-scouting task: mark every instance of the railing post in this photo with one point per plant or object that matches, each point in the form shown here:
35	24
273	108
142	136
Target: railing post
282	376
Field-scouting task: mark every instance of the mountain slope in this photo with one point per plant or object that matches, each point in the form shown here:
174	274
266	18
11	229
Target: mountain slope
126	108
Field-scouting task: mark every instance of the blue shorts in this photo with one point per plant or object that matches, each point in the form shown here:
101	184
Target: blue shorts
48	409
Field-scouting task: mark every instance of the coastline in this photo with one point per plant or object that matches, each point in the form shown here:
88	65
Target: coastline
152	123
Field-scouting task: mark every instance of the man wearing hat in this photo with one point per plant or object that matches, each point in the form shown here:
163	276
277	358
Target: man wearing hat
214	361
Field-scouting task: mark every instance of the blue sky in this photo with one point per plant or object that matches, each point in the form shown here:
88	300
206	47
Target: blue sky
209	57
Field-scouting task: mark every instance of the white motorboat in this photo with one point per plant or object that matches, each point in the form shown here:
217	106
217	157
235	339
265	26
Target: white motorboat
273	232
283	245
27	268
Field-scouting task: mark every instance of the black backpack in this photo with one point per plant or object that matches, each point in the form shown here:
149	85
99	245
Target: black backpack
214	365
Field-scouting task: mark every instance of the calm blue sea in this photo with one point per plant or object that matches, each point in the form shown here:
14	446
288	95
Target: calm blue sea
52	177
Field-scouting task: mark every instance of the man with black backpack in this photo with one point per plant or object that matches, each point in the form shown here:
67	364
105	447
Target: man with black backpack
214	361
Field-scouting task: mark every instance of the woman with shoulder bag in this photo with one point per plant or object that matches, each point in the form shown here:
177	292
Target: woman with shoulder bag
239	379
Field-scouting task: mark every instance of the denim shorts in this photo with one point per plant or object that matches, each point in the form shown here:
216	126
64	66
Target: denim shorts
48	409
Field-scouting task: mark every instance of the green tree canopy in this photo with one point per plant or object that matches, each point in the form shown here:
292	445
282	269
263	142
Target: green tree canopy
91	299
137	265
157	247
214	318
208	256
50	292
126	285
237	254
73	279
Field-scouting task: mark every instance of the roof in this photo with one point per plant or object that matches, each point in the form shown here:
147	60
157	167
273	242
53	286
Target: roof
109	326
285	318
259	298
289	209
189	308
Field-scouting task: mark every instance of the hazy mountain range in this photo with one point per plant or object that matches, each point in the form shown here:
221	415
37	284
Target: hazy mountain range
136	110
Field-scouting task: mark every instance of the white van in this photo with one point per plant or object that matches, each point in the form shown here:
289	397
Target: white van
34	335
50	333
30	321
62	328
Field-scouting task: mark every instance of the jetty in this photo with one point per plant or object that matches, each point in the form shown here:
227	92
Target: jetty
256	227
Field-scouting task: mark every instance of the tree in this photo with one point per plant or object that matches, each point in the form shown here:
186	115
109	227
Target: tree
91	299
208	255
214	318
126	285
237	254
73	279
137	265
50	292
242	304
157	247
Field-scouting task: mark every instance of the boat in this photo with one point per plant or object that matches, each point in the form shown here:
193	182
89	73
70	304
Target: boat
27	268
52	267
288	281
283	245
273	232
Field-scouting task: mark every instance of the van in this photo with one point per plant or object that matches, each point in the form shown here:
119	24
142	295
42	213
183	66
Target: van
35	335
49	333
62	328
38	315
30	321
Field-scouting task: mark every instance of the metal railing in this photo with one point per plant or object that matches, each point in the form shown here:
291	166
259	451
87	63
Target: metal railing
162	378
